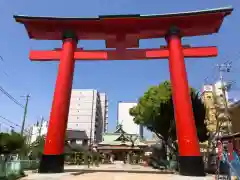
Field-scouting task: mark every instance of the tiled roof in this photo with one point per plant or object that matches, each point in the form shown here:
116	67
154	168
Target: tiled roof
112	139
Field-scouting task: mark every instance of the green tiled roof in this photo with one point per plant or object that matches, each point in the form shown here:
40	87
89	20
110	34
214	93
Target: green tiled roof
111	139
120	137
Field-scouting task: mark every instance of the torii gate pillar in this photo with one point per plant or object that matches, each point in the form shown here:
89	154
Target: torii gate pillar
53	155
190	159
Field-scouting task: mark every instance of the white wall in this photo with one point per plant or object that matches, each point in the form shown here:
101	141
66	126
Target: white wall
125	119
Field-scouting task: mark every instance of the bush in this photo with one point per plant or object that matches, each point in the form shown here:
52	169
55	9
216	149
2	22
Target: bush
14	176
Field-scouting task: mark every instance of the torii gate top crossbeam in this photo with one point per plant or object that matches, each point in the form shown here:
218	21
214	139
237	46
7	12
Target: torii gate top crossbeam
129	28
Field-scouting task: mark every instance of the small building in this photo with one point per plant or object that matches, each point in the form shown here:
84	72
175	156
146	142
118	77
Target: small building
120	144
76	141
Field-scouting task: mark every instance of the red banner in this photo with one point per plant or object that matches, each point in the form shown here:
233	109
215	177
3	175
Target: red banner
220	150
230	151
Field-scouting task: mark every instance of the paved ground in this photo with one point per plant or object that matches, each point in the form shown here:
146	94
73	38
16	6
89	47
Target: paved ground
116	168
112	176
111	172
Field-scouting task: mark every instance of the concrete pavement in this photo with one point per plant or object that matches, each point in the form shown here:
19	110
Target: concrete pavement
112	172
112	176
117	168
135	176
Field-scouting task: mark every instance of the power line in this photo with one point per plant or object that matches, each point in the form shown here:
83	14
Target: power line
1	58
6	124
10	97
3	118
211	77
2	122
9	121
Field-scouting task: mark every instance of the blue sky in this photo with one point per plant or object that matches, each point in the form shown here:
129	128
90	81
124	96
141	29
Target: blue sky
121	80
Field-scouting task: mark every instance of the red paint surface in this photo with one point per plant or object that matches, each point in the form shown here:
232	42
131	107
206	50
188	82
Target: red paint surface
185	124
127	30
230	151
220	150
54	144
127	54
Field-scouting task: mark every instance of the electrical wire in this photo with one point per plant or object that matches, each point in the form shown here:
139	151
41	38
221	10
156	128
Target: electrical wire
10	97
9	121
2	122
6	74
211	77
1	58
6	125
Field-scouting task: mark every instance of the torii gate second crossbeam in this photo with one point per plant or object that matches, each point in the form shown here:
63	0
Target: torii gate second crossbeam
127	54
122	33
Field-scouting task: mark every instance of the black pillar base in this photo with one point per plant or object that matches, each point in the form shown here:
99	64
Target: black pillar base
51	164
191	166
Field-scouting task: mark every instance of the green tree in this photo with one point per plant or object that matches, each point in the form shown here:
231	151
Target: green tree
155	111
37	147
10	143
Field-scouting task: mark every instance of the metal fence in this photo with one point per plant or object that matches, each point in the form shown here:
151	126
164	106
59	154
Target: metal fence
17	167
29	165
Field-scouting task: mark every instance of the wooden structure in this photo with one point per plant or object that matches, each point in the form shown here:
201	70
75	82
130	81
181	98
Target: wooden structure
120	144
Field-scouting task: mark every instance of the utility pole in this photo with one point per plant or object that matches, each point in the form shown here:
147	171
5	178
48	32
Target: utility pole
225	67
25	114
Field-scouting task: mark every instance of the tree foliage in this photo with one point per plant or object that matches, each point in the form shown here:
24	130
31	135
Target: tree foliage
155	111
37	147
10	143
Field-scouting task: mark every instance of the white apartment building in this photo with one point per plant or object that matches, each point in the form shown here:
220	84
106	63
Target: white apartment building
126	120
104	107
85	113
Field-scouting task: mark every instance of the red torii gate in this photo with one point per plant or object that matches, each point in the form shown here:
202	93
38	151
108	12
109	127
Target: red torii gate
124	32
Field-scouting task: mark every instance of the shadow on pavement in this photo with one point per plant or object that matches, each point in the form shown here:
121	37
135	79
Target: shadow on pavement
85	171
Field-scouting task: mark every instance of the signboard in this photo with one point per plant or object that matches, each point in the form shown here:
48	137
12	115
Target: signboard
208	88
